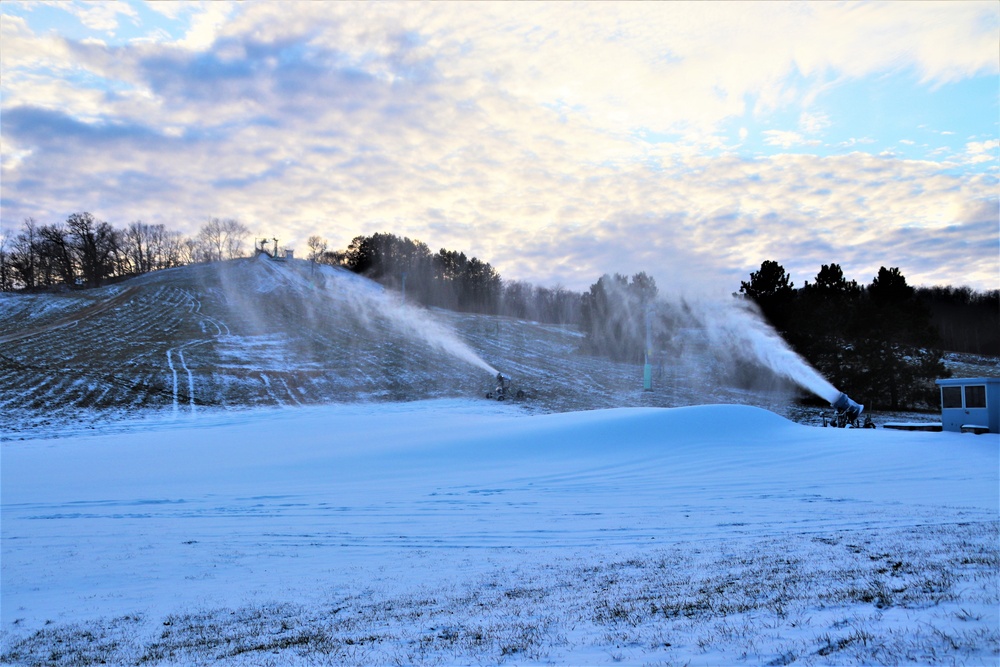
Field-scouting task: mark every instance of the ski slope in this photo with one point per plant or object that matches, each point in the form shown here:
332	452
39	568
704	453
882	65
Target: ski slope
467	532
259	333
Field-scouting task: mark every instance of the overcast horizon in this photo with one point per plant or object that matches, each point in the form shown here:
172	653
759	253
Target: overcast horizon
557	141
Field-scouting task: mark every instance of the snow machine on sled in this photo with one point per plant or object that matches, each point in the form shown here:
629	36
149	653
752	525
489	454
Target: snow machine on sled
503	389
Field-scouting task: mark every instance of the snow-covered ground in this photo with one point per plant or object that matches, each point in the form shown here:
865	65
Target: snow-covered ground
467	532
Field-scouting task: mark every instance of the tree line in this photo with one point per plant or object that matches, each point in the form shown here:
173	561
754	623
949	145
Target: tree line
447	279
881	342
84	251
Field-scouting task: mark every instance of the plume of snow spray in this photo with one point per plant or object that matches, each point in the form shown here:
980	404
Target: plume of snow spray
728	335
417	323
370	301
739	327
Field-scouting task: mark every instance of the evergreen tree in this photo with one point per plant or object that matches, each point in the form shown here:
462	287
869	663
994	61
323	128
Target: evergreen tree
824	315
447	279
773	290
896	350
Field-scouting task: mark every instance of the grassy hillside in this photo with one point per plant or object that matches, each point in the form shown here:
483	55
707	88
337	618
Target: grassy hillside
254	332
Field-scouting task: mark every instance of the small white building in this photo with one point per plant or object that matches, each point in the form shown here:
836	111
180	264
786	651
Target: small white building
970	404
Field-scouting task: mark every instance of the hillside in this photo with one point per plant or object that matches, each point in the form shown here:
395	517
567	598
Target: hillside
242	333
255	332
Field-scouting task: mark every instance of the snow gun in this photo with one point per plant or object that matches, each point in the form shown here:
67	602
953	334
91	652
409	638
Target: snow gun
848	412
504	391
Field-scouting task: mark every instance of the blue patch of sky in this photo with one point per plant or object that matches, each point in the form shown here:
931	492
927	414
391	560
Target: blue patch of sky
893	114
564	109
81	78
150	22
896	110
45	19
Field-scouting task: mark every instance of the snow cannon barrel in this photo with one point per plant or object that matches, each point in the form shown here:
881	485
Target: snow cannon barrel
844	405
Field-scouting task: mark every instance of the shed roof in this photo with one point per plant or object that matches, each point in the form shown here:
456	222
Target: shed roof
951	382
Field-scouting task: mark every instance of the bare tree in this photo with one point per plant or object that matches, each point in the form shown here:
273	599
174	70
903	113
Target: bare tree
222	239
317	246
56	254
137	241
23	255
190	251
6	274
150	247
165	248
94	244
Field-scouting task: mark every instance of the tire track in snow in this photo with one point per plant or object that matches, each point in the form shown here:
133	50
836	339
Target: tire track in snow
194	307
170	363
291	394
270	392
180	354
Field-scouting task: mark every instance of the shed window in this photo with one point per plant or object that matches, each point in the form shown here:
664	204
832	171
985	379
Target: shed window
951	397
975	396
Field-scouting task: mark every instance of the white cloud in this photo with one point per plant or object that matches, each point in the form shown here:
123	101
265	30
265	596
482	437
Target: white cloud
787	139
172	10
982	151
853	142
207	20
814	122
100	16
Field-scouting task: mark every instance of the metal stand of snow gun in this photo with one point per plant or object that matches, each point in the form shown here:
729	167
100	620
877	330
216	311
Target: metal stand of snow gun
503	385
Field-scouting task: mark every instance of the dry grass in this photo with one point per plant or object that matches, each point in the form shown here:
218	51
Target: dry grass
924	595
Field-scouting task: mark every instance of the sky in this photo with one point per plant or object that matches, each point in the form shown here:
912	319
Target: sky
557	141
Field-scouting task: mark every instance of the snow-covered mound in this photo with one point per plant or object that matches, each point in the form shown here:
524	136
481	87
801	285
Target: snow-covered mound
264	531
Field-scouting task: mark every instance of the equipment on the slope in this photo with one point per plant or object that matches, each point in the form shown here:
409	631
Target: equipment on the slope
503	389
847	414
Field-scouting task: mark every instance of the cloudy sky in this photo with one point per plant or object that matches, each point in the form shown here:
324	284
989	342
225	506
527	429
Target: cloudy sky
557	141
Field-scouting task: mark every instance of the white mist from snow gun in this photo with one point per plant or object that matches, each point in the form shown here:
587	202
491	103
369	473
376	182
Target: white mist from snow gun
417	323
369	300
736	328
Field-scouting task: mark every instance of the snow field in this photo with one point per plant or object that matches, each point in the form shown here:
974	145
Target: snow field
458	532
